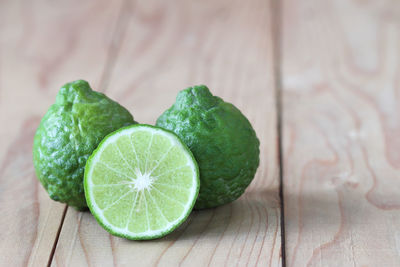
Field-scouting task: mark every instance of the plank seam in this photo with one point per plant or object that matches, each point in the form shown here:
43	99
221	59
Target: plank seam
276	7
53	249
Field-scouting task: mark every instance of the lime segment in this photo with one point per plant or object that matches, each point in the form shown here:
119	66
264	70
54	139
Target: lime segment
141	182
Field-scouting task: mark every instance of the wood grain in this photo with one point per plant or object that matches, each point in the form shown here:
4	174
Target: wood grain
168	46
42	46
341	121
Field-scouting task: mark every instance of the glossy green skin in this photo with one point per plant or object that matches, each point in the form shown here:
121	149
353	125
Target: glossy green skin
67	135
221	139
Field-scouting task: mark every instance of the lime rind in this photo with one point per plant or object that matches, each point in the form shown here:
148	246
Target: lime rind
144	198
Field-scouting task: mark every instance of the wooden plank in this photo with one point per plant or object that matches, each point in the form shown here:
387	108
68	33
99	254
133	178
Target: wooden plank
169	46
341	124
42	46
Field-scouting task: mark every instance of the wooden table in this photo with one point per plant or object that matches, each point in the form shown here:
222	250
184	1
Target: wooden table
319	80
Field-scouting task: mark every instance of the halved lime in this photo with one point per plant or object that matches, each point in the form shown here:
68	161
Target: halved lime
141	182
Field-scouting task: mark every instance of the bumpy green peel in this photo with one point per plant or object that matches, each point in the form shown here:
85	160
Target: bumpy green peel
222	140
67	135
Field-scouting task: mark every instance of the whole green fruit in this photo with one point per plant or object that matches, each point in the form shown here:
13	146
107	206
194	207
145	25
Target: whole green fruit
67	135
222	140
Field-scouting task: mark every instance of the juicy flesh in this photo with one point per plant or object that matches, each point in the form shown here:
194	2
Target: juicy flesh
142	182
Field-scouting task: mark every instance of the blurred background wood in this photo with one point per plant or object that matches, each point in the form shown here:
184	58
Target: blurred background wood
341	121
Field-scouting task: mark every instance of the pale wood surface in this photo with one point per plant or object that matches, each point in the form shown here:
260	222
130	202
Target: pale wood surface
341	121
40	50
168	47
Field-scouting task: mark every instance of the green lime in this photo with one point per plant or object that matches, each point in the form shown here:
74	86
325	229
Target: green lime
141	182
222	140
67	135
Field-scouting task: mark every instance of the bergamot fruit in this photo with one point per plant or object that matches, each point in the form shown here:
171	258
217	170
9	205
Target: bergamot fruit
221	139
67	135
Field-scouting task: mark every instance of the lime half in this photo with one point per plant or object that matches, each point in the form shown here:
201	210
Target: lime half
141	182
